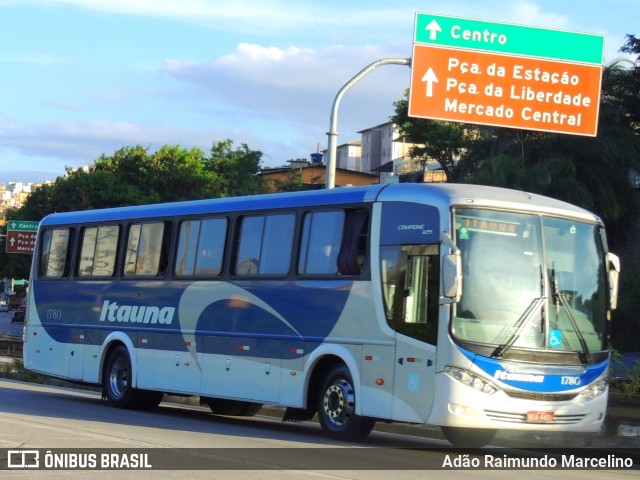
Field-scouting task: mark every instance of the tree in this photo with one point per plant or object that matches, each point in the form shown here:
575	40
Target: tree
171	174
134	176
237	170
628	88
443	142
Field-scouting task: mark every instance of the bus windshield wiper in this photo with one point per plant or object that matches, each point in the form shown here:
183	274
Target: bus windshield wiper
560	299
533	308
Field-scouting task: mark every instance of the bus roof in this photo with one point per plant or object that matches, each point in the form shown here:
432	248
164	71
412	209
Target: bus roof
483	196
336	196
441	195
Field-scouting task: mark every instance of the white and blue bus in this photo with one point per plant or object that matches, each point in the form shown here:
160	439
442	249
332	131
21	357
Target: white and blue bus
467	307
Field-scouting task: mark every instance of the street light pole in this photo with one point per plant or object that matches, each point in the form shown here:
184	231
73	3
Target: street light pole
332	145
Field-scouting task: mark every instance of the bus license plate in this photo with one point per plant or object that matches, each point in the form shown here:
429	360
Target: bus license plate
539	417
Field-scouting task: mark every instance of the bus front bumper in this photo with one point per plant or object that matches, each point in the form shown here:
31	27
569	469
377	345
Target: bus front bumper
470	408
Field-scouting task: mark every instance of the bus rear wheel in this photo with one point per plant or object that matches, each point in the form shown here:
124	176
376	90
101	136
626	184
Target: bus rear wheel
469	437
117	384
337	408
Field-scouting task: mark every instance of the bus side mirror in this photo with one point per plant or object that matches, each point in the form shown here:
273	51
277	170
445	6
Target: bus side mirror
452	277
613	267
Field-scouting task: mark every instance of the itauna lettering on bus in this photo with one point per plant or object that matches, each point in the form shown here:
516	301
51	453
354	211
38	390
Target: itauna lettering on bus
518	377
489	225
113	312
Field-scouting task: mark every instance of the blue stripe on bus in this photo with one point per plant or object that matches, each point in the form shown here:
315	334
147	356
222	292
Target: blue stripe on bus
268	313
538	378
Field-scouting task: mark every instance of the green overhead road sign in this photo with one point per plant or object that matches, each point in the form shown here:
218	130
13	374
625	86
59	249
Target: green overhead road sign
509	39
21	236
489	73
22	225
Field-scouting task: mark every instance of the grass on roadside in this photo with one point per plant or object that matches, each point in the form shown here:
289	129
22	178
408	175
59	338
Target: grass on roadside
16	367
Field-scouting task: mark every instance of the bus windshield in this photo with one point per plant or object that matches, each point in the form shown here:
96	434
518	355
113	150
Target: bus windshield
530	282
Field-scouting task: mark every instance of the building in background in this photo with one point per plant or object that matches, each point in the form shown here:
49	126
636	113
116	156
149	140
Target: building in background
303	174
13	195
349	156
386	152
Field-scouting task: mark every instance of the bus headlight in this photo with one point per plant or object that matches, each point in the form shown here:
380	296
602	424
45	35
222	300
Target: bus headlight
471	380
594	390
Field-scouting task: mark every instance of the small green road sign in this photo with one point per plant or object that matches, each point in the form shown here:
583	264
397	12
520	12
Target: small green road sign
509	39
22	226
21	236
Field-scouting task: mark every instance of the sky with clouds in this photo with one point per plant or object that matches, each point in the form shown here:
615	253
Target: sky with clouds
81	78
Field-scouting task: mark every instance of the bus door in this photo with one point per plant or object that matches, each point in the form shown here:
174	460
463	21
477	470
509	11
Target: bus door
410	270
415	320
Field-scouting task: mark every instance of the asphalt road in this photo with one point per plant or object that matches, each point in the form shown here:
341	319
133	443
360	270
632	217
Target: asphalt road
53	418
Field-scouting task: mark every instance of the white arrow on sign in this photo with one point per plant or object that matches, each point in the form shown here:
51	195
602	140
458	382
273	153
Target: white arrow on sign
430	78
12	241
433	28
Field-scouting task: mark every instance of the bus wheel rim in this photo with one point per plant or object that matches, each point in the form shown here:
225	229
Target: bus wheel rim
119	378
339	402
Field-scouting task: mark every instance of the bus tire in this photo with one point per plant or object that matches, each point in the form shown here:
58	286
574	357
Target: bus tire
337	408
117	384
468	437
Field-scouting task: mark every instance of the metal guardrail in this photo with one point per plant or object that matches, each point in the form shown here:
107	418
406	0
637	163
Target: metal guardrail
11	346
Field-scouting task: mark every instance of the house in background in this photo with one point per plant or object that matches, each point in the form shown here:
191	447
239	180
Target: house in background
349	156
381	155
386	152
311	175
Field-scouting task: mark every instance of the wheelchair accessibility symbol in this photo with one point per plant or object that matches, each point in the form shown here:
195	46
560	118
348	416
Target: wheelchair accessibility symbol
555	338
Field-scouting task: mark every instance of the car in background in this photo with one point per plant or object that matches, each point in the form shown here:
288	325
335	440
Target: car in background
4	307
18	316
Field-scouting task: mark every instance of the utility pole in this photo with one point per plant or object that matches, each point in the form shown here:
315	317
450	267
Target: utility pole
333	124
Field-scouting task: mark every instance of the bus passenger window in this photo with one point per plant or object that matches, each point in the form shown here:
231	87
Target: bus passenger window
54	261
201	247
187	247
98	251
147	249
353	250
265	245
321	241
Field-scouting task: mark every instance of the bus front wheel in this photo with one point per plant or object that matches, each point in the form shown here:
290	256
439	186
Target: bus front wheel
337	408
